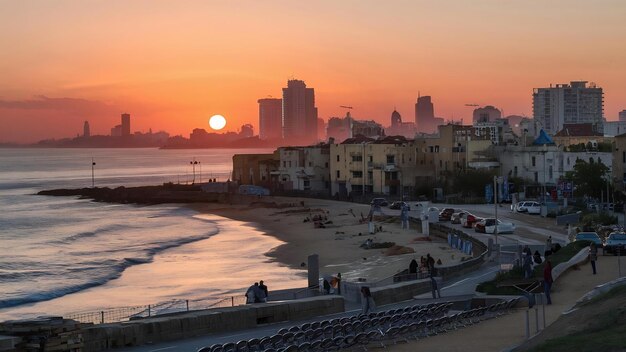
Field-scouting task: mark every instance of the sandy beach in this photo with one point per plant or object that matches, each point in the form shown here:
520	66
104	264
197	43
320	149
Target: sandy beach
339	243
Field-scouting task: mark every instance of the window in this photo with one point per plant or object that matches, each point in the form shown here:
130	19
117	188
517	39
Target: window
391	159
515	171
532	161
436	149
307	183
536	176
338	174
326	165
284	164
337	157
357	158
370	175
357	174
310	164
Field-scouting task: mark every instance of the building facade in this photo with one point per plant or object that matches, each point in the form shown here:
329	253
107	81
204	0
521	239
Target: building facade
125	132
572	103
299	113
425	121
304	169
86	129
270	118
486	114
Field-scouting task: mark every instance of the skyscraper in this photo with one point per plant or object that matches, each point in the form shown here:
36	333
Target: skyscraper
86	130
396	119
425	115
125	125
573	103
270	118
299	113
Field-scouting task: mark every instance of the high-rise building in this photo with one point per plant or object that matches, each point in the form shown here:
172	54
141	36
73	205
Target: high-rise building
86	130
321	129
299	113
270	118
425	115
486	114
573	103
622	115
396	119
125	125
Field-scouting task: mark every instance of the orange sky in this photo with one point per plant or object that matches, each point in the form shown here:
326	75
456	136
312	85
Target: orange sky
172	64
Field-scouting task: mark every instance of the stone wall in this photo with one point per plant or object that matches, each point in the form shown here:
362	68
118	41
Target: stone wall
399	292
202	322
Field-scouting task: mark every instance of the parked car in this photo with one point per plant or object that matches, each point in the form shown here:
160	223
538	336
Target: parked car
529	207
381	202
470	220
456	217
446	214
399	205
589	236
488	225
615	243
515	206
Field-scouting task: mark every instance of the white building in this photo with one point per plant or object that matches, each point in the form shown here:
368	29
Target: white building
614	128
304	168
573	103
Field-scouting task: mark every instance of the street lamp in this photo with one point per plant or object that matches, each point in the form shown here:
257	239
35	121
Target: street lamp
193	166
497	180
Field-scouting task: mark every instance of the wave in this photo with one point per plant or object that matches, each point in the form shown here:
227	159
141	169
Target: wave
115	269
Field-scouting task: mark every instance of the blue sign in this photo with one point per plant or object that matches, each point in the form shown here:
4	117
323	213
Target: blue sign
489	193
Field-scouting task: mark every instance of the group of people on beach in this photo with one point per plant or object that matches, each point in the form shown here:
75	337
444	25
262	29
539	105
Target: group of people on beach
257	293
427	265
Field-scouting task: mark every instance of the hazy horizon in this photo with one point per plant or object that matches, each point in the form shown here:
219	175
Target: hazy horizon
172	65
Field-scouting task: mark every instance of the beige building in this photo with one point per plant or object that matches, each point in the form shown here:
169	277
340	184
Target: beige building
254	169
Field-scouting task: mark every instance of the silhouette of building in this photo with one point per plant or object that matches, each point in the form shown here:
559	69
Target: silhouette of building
321	129
339	128
86	130
396	119
299	113
270	118
486	114
622	115
246	131
125	125
116	131
399	128
425	115
572	103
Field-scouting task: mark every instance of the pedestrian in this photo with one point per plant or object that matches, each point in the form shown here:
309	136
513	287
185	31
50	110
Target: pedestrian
250	296
549	244
547	280
264	290
527	266
326	286
434	287
339	283
367	301
430	262
413	267
593	256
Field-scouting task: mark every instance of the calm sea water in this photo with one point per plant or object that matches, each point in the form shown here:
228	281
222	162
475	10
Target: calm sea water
62	254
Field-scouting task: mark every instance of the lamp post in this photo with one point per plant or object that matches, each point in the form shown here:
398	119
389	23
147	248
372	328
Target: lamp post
93	181
497	180
193	164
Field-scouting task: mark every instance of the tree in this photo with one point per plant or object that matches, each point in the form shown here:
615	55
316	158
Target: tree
588	177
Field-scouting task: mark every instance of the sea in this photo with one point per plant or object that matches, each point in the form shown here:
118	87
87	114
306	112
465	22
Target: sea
65	255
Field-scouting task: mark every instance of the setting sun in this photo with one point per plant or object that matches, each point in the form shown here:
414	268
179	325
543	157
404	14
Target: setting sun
217	122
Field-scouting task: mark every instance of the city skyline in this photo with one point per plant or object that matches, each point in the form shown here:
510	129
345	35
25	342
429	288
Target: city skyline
175	66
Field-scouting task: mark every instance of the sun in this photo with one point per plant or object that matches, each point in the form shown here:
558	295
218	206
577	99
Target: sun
217	122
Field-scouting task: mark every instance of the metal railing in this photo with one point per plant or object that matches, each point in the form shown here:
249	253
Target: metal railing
119	314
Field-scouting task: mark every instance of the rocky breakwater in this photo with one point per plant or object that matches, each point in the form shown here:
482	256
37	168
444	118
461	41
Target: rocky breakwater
166	193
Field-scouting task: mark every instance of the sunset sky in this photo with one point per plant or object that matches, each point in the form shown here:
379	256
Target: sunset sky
173	64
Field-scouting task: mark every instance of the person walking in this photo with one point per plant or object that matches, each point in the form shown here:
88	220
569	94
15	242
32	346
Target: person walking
413	267
264	291
547	280
250	294
367	302
339	283
549	244
593	256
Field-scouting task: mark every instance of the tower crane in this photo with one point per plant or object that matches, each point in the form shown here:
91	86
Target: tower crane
346	107
472	105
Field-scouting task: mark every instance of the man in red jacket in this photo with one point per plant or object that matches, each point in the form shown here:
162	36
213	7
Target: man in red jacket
547	280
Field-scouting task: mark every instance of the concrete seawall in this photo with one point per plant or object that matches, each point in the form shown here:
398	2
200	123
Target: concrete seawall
197	323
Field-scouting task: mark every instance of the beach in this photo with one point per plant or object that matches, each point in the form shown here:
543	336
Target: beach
339	243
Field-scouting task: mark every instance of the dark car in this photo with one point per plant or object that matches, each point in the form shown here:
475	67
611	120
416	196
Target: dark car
399	205
615	243
381	202
446	214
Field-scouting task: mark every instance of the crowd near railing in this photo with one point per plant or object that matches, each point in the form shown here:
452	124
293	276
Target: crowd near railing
119	314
